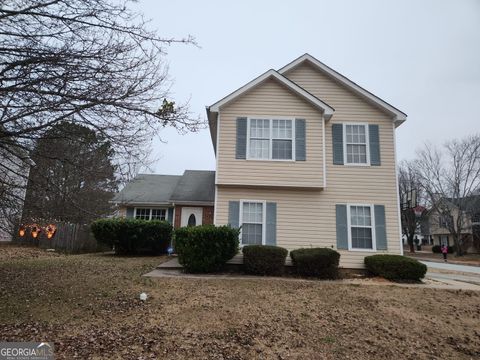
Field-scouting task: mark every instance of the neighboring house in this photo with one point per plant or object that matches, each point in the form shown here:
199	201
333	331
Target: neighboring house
181	200
438	223
306	158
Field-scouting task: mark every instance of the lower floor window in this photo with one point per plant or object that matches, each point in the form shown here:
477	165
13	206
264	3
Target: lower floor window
150	214
361	229
159	214
252	223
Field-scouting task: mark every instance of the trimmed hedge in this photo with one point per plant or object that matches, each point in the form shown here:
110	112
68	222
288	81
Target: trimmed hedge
264	259
438	249
132	236
395	267
318	262
205	248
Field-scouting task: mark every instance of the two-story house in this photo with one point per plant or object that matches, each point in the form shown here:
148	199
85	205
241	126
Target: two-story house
443	218
306	158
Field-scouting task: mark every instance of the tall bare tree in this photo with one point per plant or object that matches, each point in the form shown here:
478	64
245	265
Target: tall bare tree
90	62
450	177
412	211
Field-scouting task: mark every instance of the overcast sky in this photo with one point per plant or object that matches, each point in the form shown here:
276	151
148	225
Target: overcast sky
423	57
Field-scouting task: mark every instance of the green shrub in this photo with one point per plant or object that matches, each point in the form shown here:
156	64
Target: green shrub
264	259
395	267
438	249
318	262
132	236
205	248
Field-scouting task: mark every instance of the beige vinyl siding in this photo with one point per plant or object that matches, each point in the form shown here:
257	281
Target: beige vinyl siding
348	106
306	218
268	100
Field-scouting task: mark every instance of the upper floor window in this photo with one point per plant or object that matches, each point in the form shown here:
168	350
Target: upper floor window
150	214
443	221
356	144
271	139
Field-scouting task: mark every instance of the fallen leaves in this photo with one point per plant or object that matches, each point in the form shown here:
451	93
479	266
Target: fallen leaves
89	306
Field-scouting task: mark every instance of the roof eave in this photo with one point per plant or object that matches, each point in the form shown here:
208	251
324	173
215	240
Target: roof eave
324	107
212	125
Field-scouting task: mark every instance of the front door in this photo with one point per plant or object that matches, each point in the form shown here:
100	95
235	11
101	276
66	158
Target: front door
191	216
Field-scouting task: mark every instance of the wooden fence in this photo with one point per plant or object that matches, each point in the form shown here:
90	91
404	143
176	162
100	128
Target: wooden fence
70	238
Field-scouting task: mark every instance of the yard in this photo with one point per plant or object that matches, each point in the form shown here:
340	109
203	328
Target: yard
88	306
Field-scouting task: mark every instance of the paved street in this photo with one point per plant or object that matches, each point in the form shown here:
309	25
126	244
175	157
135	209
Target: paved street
452	267
453	275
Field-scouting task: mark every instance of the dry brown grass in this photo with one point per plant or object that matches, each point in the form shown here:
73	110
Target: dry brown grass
88	306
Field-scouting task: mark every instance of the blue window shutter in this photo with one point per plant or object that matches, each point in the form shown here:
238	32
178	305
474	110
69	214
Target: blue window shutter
241	146
374	137
300	140
271	225
170	215
234	213
342	226
380	229
130	212
337	138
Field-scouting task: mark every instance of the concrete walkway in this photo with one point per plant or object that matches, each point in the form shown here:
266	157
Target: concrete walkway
439	276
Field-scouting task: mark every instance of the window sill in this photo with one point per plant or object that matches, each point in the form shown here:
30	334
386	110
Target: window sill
271	160
353	164
362	250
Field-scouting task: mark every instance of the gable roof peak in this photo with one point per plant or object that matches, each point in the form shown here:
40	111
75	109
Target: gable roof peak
398	116
269	74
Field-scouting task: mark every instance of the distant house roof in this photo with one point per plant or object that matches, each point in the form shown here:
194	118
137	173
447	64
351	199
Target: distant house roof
148	189
195	186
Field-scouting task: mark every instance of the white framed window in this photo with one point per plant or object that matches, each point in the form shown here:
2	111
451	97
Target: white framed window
150	214
159	214
270	139
252	222
356	144
142	213
361	227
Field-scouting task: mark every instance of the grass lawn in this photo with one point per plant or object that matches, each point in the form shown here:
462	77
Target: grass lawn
88	306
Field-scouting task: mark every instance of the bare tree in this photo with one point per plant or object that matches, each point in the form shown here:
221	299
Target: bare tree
89	62
450	177
412	212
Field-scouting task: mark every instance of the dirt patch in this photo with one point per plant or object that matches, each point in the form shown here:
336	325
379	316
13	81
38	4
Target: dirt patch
88	306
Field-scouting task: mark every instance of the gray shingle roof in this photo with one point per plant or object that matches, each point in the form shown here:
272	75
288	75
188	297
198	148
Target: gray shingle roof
195	186
148	189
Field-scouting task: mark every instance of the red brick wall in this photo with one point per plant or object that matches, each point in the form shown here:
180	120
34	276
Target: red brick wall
207	217
178	216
